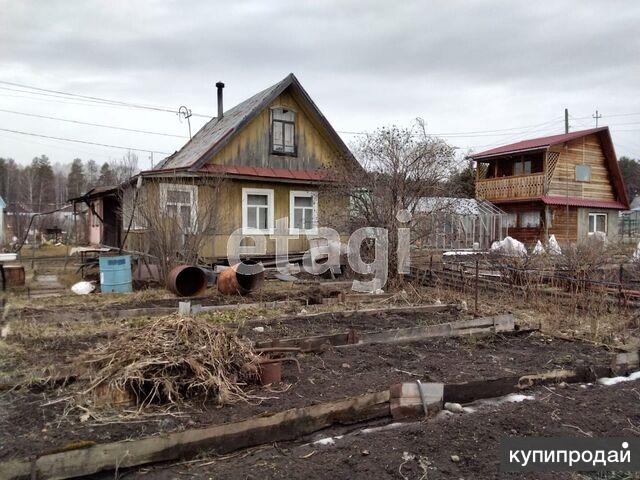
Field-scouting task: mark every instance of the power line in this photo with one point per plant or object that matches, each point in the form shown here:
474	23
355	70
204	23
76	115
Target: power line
89	98
91	124
478	133
83	141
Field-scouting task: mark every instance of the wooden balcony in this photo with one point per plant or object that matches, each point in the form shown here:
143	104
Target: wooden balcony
511	188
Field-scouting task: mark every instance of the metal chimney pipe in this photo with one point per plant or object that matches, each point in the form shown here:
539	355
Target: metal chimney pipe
220	86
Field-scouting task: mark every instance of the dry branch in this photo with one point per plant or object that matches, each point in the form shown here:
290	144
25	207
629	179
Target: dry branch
174	359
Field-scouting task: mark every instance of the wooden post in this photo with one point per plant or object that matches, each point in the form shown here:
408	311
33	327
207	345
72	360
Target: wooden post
477	279
620	294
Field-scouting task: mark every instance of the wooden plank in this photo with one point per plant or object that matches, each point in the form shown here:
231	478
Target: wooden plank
308	344
472	391
500	323
287	425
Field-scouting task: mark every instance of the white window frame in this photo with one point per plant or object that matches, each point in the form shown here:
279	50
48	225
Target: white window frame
180	187
595	216
246	230
314	204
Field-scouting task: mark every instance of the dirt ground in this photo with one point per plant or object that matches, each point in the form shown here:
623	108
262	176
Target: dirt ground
336	322
43	347
40	422
429	445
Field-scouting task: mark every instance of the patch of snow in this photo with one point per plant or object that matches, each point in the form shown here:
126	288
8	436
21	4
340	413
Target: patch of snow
608	381
516	397
458	252
325	441
390	426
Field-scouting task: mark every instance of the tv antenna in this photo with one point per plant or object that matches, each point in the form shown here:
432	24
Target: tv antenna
184	112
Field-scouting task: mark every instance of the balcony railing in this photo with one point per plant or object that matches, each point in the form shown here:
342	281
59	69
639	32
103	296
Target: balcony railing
506	188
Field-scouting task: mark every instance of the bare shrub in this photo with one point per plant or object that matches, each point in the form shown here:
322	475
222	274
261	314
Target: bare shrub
175	219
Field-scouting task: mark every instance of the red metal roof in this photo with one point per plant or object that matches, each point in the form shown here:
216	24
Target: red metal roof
536	143
539	143
582	202
266	172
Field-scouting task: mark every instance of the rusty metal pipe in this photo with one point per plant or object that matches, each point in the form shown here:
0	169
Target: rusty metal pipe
187	281
241	278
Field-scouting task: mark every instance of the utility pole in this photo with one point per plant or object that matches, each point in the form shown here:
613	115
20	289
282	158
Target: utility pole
566	120
151	159
596	116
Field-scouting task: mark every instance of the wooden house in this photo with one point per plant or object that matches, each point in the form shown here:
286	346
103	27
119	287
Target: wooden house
565	185
271	152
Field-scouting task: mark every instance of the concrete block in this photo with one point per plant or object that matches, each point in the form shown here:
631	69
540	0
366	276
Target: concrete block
184	308
407	402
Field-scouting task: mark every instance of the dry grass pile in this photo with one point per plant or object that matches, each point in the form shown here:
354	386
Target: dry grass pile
174	359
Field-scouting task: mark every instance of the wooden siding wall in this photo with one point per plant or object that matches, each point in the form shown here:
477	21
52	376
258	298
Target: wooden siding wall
564	223
251	147
230	214
587	150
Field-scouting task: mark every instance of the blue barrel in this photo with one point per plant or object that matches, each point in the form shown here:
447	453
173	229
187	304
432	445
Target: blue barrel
115	274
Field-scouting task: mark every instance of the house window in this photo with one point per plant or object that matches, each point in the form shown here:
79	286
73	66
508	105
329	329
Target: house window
303	211
522	167
530	219
283	131
583	173
511	220
597	223
180	202
257	210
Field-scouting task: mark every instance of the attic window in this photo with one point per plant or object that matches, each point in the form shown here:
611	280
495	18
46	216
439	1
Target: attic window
283	131
583	173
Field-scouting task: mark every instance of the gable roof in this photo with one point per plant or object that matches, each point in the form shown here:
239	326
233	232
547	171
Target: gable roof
545	142
536	143
217	133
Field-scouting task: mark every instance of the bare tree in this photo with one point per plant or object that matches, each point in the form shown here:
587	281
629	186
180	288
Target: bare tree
400	167
125	168
172	221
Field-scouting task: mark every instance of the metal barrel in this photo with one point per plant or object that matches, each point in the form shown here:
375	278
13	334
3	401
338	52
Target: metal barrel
187	281
115	274
241	278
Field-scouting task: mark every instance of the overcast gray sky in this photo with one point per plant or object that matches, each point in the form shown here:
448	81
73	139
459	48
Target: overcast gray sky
483	73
